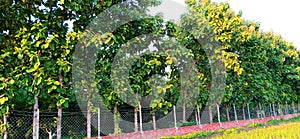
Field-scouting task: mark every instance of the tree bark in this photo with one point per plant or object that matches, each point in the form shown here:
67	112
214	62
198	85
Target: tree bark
184	109
88	119
59	118
183	113
279	109
249	115
227	113
244	115
274	111
219	119
154	121
116	119
199	117
35	133
210	115
257	111
5	136
196	118
136	114
135	119
235	114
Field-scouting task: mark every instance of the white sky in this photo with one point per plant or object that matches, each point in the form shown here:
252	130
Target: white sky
281	16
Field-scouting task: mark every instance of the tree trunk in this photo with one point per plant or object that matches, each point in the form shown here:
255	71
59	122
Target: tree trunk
293	105
196	118
235	114
257	111
59	118
199	117
88	119
184	109
154	121
116	120
135	119
219	119
227	113
5	136
136	115
141	120
271	111
249	114
99	123
183	113
210	115
49	133
244	115
35	133
279	109
273	108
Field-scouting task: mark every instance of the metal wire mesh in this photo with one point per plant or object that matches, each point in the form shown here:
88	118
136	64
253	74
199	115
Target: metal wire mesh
74	124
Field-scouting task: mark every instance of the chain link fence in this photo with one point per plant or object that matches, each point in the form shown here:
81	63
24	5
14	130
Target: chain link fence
74	124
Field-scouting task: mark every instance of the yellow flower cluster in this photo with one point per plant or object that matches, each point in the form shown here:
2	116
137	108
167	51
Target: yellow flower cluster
286	131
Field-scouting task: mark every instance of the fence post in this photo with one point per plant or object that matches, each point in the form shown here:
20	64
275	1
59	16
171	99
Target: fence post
218	110
99	124
141	120
249	111
175	122
235	115
199	119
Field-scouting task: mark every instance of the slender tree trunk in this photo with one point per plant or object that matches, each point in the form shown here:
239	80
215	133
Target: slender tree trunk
196	118
257	111
235	114
249	114
227	113
154	121
244	115
88	118
99	123
5	136
141	120
175	119
183	113
261	113
136	114
210	115
136	119
293	105
49	133
199	117
59	118
219	119
184	109
286	109
271	111
274	111
35	133
116	120
279	109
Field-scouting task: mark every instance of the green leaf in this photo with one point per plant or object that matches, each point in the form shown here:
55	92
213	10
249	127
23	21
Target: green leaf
56	83
11	81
